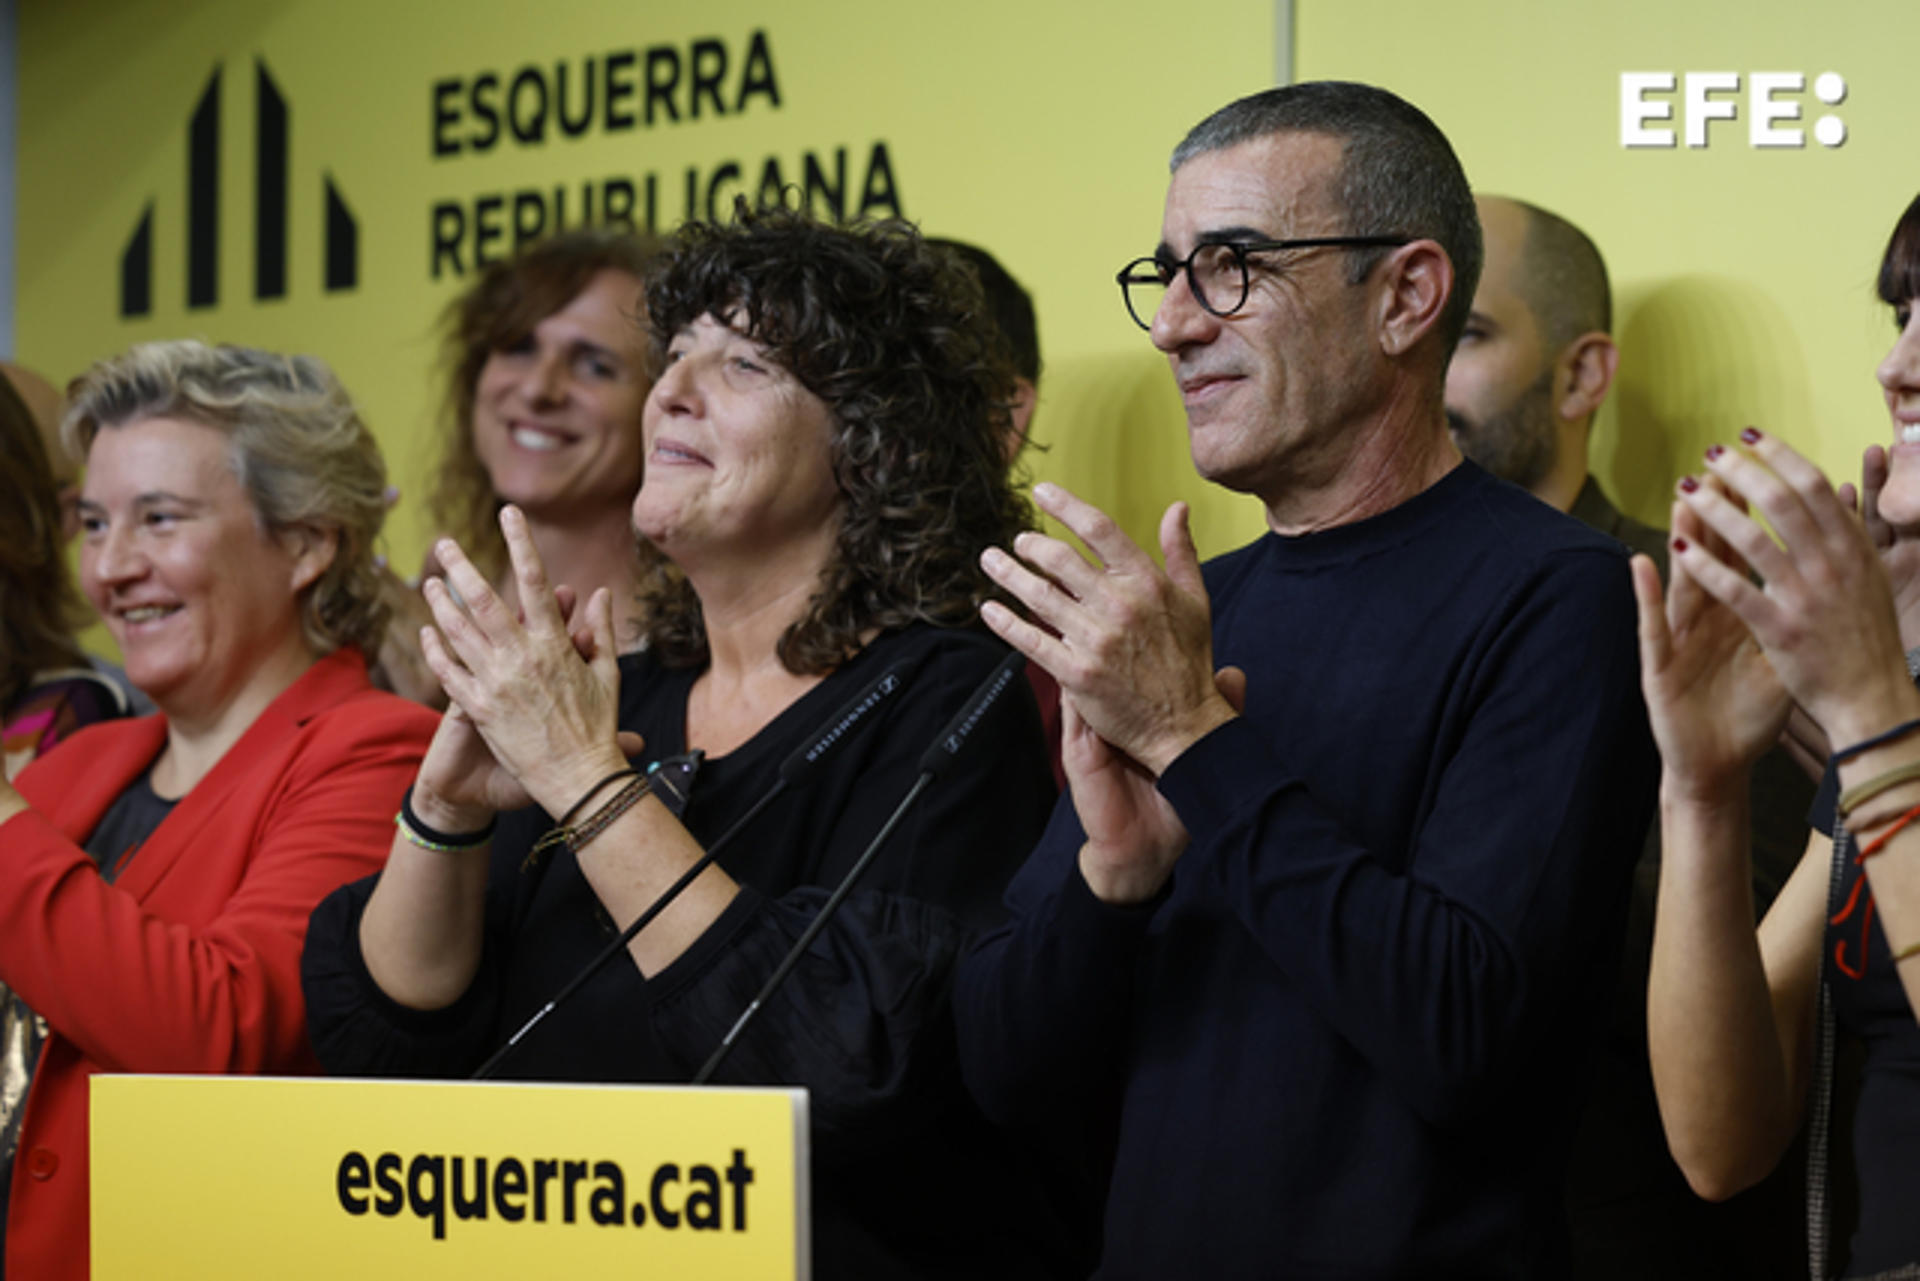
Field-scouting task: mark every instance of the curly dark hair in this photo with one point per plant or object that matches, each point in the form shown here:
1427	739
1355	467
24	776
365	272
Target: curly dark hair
895	337
499	309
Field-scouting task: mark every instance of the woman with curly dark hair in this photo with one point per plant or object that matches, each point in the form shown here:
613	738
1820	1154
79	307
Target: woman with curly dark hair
823	469
546	371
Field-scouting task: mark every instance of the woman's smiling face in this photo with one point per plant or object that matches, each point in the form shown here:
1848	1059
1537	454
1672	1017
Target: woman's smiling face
556	415
197	593
738	451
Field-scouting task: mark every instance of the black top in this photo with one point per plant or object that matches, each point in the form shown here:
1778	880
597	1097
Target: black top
128	822
1351	1035
1869	1003
904	1171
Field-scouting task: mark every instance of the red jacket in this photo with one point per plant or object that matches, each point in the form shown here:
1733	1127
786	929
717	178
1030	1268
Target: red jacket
190	961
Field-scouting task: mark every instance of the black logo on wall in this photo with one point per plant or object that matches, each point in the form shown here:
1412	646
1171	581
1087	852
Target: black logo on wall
270	189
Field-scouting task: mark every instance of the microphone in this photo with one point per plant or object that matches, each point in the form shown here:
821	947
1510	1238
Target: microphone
804	763
796	771
938	756
941	752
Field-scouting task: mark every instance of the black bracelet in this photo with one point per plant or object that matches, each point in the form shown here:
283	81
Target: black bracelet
436	837
594	791
1878	740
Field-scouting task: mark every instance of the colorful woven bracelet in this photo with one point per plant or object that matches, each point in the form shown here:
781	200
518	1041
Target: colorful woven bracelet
574	836
623	800
428	837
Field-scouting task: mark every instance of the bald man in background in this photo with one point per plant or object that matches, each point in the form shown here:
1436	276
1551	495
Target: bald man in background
1533	367
1535	363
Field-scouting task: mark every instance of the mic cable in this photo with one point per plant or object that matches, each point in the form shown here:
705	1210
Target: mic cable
797	770
940	754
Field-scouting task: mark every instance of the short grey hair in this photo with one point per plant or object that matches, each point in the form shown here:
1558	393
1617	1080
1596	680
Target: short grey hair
1398	174
298	445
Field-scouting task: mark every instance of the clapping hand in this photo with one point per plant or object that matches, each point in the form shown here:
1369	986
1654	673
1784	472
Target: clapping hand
1712	696
1131	645
534	698
1823	612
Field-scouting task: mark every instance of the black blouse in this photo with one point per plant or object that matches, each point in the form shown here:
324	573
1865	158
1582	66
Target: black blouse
900	1158
1870	1003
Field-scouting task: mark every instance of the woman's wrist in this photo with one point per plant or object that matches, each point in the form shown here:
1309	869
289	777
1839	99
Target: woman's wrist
1867	716
577	778
445	816
1708	795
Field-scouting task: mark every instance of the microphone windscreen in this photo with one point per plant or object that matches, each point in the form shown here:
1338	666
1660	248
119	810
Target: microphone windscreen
806	758
954	736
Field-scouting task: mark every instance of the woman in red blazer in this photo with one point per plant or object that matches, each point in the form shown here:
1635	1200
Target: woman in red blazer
156	875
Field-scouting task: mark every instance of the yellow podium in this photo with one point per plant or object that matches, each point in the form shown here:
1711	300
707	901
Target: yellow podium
214	1177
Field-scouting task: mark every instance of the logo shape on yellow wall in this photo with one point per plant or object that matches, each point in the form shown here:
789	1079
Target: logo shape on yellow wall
270	188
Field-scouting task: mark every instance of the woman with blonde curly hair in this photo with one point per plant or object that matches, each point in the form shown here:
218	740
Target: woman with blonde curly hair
546	370
158	872
824	466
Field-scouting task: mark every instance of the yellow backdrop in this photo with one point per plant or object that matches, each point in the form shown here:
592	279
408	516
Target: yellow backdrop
1743	277
1039	130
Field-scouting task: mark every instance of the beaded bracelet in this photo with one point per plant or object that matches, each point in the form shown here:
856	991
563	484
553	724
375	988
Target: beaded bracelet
1854	796
432	838
623	800
576	836
1898	732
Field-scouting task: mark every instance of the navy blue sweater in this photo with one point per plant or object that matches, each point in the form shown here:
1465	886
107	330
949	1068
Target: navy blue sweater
1346	1041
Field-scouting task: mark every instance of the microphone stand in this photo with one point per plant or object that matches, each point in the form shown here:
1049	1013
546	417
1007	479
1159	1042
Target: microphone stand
798	769
935	760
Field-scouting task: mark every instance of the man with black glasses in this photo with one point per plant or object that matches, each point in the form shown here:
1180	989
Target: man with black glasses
1305	966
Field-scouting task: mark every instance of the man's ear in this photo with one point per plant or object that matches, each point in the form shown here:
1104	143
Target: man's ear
1585	372
1025	396
1416	280
312	549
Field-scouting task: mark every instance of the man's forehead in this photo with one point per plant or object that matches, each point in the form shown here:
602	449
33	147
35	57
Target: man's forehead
1277	185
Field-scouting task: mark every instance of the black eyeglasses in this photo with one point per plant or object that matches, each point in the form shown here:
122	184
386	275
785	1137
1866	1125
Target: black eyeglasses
1218	273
